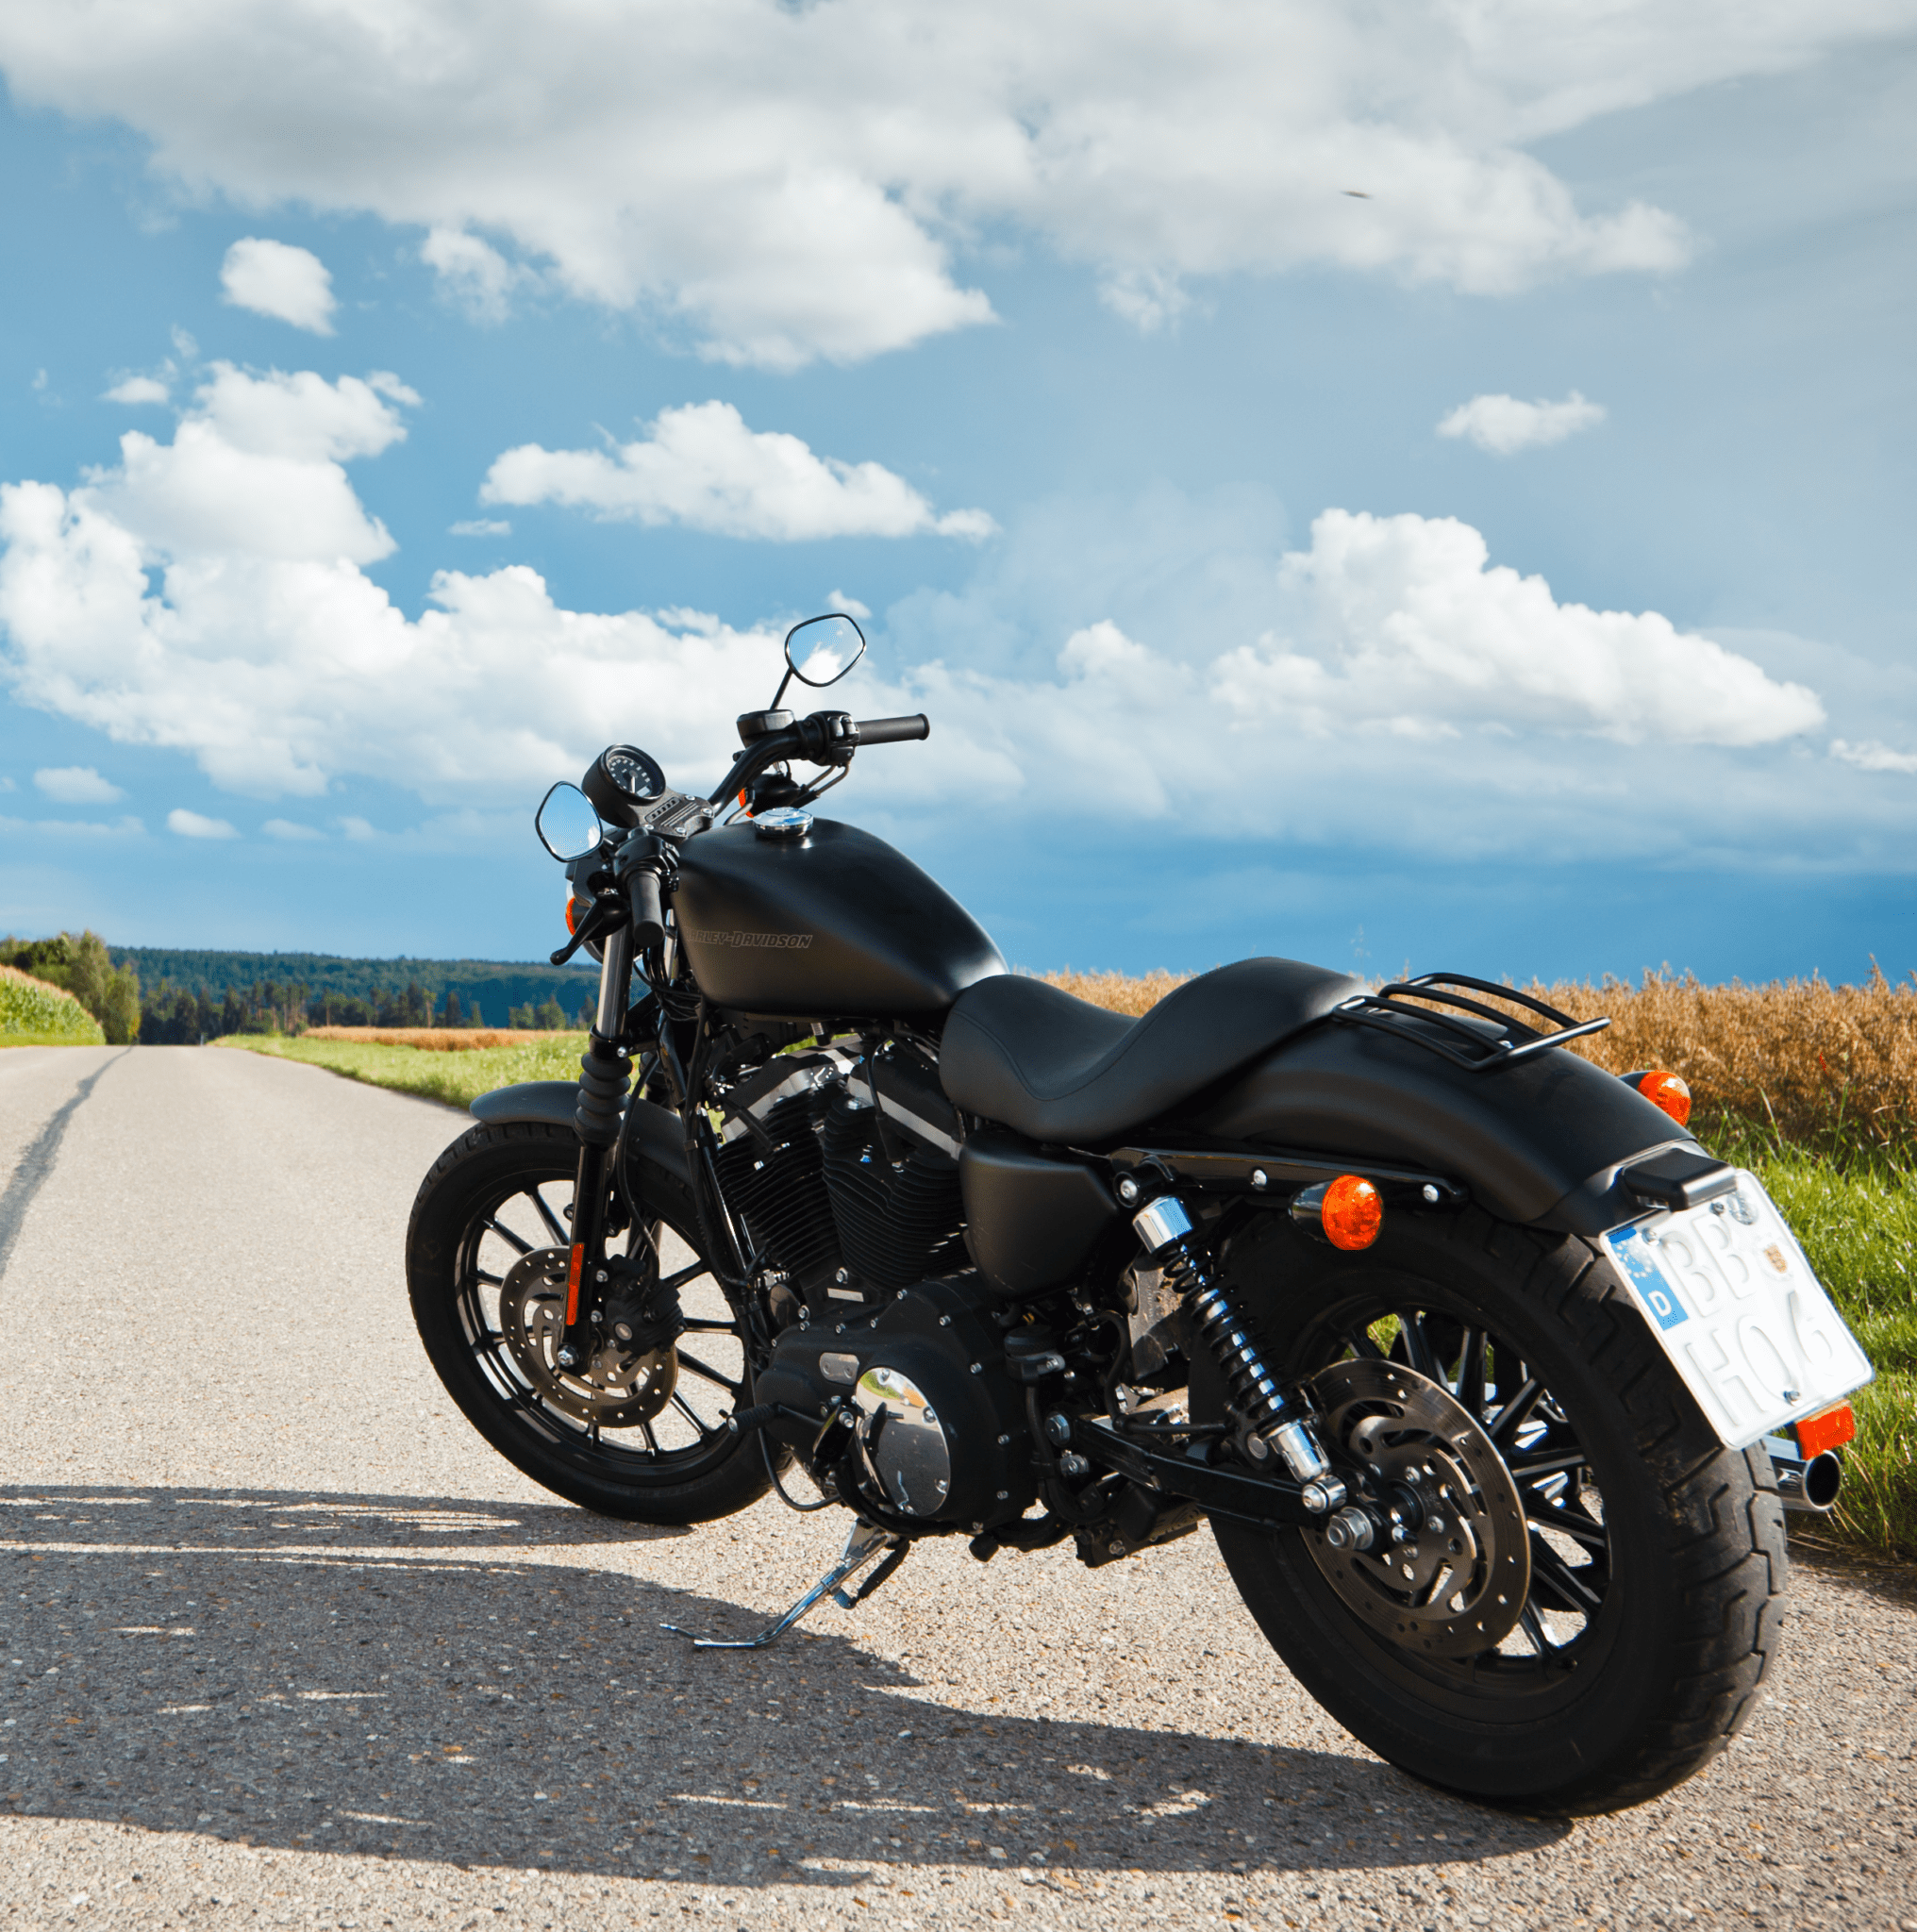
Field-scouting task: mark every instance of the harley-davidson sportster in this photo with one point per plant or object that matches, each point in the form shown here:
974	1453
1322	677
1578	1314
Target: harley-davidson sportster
1491	1384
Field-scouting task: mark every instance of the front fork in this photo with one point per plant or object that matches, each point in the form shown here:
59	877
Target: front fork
603	1072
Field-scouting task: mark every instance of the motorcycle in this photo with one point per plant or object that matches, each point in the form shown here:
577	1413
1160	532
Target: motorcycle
1491	1382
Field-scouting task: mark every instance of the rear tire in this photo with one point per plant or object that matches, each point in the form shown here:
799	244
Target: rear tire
1674	1576
500	1191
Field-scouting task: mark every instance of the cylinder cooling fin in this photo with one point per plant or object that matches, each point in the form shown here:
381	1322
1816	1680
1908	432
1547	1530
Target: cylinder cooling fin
898	1220
843	1170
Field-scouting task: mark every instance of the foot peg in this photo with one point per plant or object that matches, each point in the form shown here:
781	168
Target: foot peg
865	1543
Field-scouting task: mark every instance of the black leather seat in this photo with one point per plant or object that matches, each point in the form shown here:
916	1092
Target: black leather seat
1059	1069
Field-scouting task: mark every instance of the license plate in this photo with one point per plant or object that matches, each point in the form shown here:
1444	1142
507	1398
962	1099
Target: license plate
1728	1293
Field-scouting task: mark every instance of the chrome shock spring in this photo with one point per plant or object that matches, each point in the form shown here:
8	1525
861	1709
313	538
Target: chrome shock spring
1273	1420
1253	1390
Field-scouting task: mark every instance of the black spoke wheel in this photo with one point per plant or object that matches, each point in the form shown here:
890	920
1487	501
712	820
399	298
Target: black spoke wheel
638	1431
1547	1482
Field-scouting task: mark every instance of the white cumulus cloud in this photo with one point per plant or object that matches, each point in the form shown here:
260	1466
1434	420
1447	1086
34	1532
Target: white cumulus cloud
701	466
1867	754
473	272
1402	623
193	824
789	182
276	279
1402	664
137	389
77	785
290	828
1504	426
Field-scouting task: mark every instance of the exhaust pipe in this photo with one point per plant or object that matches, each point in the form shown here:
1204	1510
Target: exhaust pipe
1811	1487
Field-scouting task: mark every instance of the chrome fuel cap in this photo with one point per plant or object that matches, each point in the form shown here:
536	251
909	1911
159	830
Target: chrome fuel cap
783	821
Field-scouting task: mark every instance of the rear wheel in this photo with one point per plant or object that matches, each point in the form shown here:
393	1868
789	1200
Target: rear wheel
1604	1592
639	1432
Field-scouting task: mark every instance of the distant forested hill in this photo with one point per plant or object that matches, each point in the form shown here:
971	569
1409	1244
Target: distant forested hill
495	985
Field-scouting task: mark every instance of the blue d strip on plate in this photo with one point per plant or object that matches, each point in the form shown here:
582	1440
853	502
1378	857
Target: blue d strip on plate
1649	1279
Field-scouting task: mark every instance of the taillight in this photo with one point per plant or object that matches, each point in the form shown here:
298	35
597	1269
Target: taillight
1828	1429
1667	1091
1346	1212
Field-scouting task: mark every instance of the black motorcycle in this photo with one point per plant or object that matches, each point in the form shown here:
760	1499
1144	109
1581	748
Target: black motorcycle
1491	1382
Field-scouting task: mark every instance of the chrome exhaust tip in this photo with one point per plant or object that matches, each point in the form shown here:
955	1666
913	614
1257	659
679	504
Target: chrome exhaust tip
1811	1486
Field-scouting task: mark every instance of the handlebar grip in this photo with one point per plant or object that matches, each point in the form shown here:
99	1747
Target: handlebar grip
893	730
648	917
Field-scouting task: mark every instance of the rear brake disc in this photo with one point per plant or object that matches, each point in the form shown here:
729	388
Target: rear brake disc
1457	1582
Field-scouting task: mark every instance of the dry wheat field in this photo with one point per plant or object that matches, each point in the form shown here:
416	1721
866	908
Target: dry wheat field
1812	1064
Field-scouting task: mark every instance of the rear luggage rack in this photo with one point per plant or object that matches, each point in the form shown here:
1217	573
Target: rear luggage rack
1390	1010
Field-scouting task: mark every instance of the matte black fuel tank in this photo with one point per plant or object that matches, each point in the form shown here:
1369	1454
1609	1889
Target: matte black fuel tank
836	924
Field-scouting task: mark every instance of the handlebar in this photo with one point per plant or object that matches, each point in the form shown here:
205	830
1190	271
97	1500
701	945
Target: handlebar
648	914
893	730
825	738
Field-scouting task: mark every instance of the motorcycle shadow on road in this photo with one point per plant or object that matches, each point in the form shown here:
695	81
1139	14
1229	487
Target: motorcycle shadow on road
403	1676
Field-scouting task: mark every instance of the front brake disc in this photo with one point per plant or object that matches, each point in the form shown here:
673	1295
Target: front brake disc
1456	1584
617	1388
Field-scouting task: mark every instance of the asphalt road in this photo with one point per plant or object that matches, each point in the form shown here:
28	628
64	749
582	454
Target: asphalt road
284	1644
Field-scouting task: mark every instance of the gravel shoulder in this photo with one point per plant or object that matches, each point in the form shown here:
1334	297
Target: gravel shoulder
282	1642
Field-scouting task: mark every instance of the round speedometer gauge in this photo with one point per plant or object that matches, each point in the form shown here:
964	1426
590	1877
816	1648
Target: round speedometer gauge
621	780
635	774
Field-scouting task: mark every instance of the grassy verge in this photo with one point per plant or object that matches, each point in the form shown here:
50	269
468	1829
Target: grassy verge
455	1078
1858	1222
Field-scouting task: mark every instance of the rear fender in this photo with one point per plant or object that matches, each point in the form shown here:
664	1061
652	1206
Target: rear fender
1546	1141
654	1136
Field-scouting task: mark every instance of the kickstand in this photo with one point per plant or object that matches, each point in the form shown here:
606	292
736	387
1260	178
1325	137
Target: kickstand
865	1543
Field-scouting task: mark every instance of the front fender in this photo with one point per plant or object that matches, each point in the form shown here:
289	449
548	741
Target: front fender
1540	1143
653	1135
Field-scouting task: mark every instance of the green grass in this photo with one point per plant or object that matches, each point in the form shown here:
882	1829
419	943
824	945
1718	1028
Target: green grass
1856	1219
33	1013
455	1078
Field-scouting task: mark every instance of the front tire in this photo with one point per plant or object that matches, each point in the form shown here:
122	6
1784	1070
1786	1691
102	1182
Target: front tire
1658	1562
644	1442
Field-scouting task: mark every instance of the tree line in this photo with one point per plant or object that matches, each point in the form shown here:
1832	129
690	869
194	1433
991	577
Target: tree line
174	1014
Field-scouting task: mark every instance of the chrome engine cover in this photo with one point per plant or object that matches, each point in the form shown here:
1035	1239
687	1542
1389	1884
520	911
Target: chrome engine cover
939	1427
902	1442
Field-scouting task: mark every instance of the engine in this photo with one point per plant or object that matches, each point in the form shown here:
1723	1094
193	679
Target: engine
915	1411
850	1201
843	1170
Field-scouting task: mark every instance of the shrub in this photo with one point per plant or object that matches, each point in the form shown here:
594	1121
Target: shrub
81	967
34	1010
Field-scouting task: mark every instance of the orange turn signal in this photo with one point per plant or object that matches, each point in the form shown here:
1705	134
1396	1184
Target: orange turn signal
1828	1429
574	912
1346	1212
1668	1092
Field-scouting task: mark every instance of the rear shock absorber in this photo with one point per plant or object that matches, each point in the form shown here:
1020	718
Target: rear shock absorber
1273	1421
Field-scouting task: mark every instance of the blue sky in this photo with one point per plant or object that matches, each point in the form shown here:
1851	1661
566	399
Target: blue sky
1504	566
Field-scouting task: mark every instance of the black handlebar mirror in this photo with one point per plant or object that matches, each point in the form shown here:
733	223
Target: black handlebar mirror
568	826
821	651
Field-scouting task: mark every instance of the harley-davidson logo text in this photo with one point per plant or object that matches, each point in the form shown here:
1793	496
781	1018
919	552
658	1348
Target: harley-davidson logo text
773	941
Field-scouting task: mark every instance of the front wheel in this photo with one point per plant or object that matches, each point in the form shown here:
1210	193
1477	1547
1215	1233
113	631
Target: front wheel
639	1431
1582	1587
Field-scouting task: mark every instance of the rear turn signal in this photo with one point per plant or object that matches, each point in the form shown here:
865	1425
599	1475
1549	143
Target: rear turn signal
1346	1212
1670	1092
1830	1429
